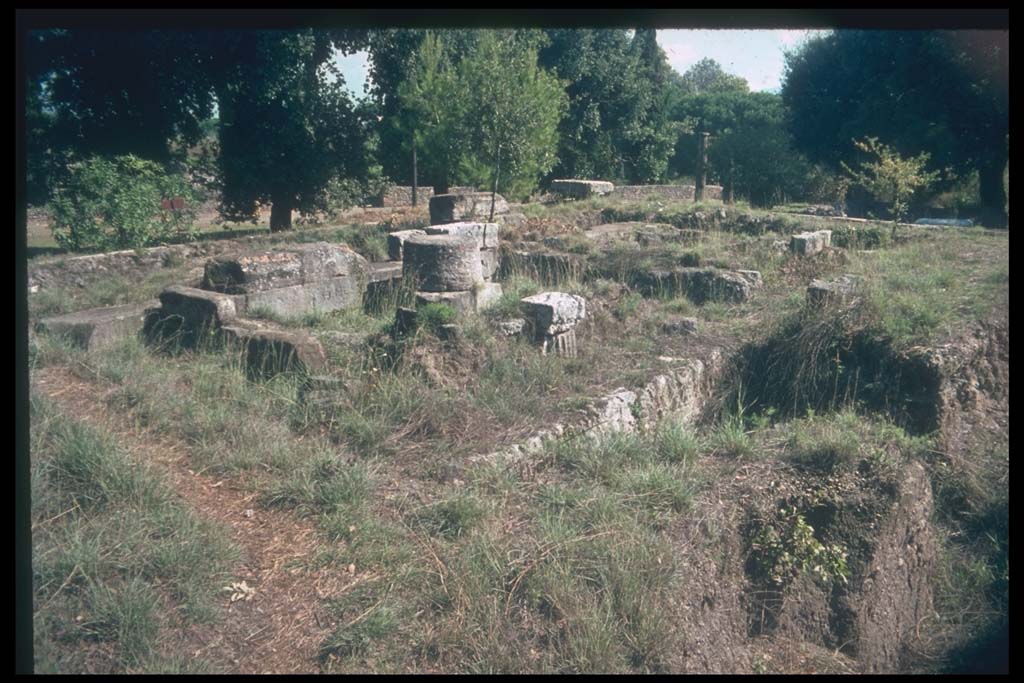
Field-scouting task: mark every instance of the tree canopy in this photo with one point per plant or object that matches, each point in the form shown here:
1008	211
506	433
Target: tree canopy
287	124
944	93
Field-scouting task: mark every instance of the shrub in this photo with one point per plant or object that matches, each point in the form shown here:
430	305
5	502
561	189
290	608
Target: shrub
116	203
434	315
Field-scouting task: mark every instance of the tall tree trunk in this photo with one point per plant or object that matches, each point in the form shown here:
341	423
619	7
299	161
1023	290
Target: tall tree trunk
991	191
281	211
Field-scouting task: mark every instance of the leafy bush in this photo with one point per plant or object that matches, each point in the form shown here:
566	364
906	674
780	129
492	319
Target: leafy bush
889	177
116	203
433	316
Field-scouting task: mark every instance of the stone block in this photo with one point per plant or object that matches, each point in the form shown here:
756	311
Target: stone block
269	351
510	328
322	261
581	189
443	263
245	274
396	240
464	302
490	261
282	268
810	243
99	328
838	291
551	313
698	284
486	234
473	300
611	232
753	277
191	312
468	206
333	294
384	271
650	235
487	295
401	195
406	321
560	344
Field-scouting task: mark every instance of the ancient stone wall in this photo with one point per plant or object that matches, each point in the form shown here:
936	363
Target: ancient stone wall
401	195
675	193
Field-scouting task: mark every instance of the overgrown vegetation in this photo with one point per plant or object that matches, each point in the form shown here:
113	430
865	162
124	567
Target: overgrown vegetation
121	203
118	560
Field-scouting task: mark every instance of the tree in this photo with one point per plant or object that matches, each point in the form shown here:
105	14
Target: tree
122	92
615	126
941	92
707	76
110	93
759	162
431	112
287	125
707	99
891	178
513	112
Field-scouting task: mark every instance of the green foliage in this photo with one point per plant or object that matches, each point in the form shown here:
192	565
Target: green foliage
452	517
432	316
433	101
760	163
891	178
513	114
116	204
287	124
616	126
356	637
945	93
707	76
115	92
484	116
788	549
823	186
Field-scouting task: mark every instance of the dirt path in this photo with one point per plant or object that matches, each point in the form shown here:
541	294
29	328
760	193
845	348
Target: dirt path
281	627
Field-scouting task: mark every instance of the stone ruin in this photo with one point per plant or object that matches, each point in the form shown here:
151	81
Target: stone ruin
810	243
841	290
581	189
401	195
700	284
465	206
551	319
319	276
448	266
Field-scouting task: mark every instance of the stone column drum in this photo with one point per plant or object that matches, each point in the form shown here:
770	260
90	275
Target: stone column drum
443	263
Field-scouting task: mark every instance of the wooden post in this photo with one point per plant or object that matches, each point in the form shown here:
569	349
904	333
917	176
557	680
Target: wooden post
730	185
414	181
702	166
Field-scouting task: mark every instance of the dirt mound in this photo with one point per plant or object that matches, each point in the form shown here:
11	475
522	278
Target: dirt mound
841	562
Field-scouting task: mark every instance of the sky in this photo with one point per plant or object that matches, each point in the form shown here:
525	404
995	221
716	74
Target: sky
756	55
